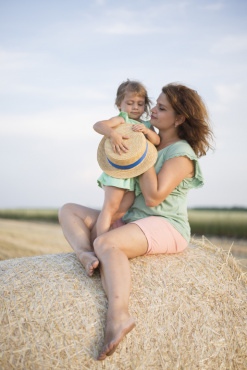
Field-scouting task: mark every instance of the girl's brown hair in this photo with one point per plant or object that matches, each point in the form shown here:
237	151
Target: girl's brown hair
196	128
133	87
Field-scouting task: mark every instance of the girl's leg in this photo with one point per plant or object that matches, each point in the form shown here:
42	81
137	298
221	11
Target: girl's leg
113	250
113	198
78	225
126	203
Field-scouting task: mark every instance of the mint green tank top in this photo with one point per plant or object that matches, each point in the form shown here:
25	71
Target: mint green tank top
174	207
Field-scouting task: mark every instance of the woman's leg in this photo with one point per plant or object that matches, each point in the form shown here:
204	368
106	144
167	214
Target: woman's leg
78	225
113	250
112	201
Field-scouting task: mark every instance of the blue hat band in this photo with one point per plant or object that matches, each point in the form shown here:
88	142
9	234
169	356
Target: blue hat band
132	165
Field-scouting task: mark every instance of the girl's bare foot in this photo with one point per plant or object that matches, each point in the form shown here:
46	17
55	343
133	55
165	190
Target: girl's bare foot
89	261
114	333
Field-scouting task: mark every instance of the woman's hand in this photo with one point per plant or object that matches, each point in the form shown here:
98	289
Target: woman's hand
118	142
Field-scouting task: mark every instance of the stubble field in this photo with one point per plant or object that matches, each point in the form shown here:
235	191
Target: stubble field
20	238
30	238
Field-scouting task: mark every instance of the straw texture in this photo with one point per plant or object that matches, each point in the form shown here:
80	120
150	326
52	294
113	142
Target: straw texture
136	142
137	146
190	311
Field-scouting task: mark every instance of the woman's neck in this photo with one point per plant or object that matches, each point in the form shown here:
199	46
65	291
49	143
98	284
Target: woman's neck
166	140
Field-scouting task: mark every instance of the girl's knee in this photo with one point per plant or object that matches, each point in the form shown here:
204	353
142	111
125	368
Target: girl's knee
110	208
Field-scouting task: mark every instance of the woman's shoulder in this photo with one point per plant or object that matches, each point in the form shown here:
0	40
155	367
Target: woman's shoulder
180	148
146	123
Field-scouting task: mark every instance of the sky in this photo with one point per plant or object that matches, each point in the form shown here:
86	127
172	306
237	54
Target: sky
61	63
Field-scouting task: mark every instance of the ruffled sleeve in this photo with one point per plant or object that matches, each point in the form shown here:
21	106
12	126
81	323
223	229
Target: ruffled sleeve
129	120
125	116
183	149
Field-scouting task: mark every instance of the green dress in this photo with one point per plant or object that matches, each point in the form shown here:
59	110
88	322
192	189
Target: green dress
128	184
174	207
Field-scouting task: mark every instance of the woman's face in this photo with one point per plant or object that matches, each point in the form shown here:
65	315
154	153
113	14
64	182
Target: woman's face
163	115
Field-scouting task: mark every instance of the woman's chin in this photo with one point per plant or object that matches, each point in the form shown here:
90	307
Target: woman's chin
153	122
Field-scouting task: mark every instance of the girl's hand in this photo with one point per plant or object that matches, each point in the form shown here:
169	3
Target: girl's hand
140	127
117	142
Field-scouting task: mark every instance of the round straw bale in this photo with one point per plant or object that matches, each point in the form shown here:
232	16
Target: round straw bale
190	311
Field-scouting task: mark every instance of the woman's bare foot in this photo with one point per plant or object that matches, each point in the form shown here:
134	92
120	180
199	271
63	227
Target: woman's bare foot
89	261
114	333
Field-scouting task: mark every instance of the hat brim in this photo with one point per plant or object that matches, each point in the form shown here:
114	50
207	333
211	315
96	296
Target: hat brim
110	170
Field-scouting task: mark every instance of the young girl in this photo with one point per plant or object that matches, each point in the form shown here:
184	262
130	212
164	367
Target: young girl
132	101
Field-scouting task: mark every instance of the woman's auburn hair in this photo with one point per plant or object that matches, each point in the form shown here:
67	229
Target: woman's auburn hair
196	128
134	87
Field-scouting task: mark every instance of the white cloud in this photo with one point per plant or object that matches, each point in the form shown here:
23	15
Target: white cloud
228	93
67	93
125	28
230	44
226	97
141	21
14	60
214	6
57	124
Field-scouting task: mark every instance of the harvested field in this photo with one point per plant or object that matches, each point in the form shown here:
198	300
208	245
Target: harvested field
30	238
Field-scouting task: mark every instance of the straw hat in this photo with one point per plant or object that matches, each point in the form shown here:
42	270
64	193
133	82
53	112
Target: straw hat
139	158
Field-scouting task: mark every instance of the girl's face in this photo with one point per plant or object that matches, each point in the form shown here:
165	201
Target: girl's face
133	104
163	115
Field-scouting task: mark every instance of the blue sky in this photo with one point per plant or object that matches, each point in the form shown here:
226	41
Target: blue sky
61	63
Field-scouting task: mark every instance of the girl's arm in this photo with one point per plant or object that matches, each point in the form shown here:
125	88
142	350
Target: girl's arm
106	128
155	188
148	132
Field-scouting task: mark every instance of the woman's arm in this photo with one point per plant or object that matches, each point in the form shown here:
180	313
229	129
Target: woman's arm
148	132
106	128
155	188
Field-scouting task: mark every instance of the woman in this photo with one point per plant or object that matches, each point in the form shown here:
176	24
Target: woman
157	221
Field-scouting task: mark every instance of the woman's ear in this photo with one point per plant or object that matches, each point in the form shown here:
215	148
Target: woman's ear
179	120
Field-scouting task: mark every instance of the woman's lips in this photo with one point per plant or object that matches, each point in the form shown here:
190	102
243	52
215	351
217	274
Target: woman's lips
153	117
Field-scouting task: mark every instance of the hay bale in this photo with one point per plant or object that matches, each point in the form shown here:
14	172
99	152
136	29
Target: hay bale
190	311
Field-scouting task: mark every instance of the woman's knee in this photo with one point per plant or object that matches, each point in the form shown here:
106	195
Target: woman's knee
102	243
64	211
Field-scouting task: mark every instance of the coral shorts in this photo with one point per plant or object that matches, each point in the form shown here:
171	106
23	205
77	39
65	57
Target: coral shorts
161	236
